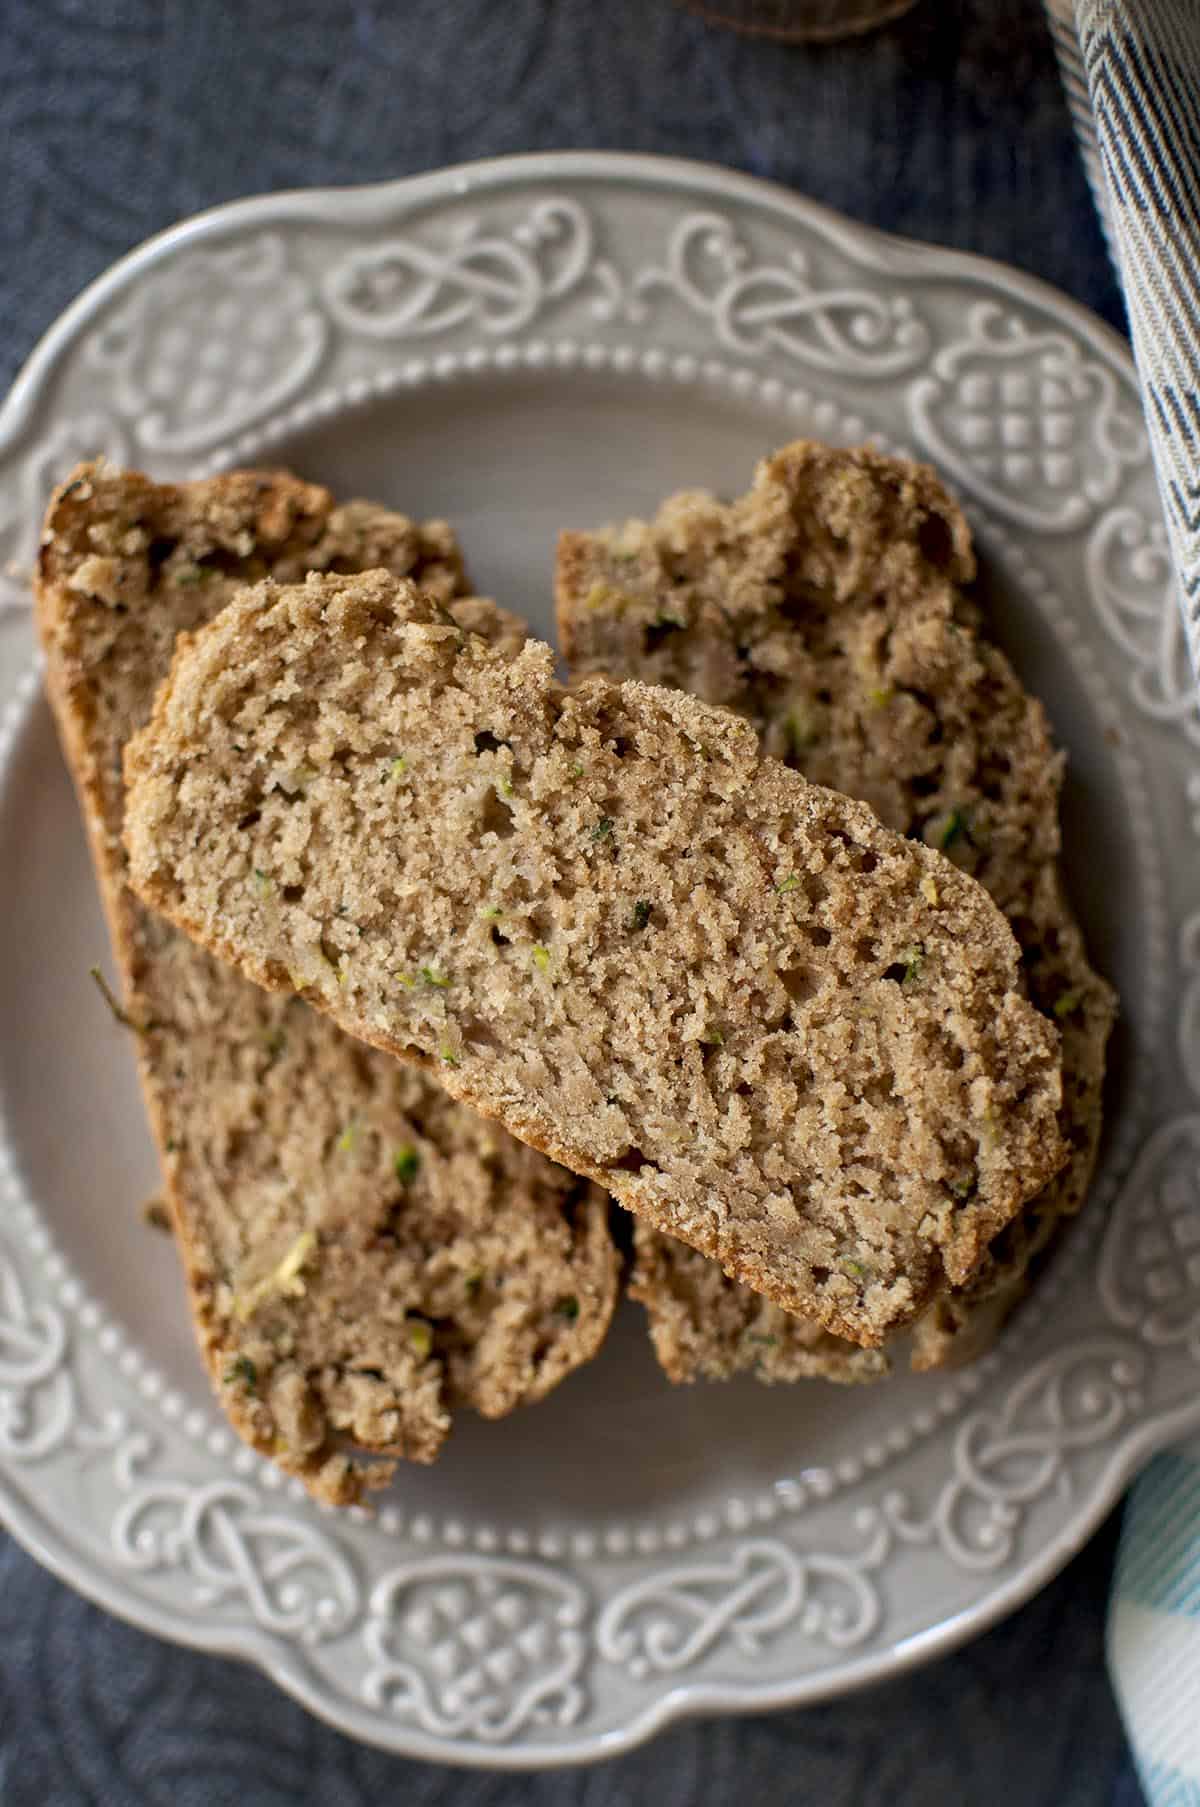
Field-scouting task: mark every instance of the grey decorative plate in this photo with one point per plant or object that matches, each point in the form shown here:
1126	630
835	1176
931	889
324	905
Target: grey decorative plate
520	345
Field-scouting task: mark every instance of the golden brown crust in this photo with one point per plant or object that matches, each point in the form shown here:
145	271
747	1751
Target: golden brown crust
691	936
442	1251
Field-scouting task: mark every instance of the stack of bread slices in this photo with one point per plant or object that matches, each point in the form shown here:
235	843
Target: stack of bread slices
754	928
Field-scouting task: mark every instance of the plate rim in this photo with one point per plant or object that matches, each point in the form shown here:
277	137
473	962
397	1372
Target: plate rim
357	205
361	201
687	1701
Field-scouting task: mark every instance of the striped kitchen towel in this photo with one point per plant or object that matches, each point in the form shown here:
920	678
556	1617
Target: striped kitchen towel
1131	69
1154	1627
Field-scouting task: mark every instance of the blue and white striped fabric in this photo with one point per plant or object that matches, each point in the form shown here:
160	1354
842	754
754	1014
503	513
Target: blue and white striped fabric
1131	69
1154	1627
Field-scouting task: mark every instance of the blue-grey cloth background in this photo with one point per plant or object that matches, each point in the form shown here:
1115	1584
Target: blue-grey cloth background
119	116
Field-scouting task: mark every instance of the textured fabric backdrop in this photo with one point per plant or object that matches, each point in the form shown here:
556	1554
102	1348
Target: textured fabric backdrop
117	117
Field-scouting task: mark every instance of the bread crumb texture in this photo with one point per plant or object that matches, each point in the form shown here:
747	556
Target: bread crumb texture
605	920
827	608
364	1256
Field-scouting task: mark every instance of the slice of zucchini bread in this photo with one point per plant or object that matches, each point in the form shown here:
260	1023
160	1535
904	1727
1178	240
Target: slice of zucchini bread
364	1256
826	606
763	1020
